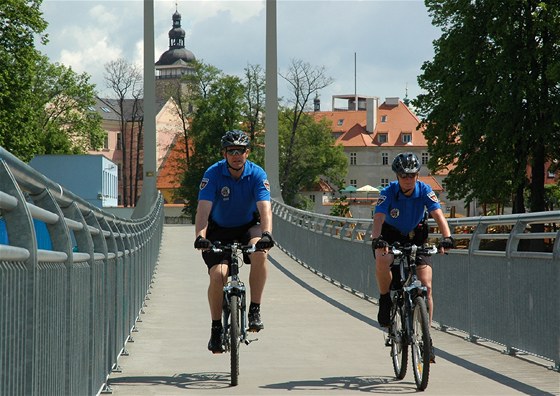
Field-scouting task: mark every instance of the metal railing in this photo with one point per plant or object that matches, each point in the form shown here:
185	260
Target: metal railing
493	287
73	280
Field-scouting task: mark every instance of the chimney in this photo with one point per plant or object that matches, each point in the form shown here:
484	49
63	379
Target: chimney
371	113
316	104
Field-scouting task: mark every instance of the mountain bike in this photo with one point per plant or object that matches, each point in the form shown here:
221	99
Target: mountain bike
410	323
234	308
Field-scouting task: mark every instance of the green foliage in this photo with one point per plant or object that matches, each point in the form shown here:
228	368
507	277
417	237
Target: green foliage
492	94
218	102
313	155
340	207
43	107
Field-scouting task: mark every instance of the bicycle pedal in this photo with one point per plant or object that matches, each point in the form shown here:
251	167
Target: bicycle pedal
247	342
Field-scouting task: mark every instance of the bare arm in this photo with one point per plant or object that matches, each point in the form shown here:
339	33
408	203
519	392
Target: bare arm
201	219
378	220
265	212
441	222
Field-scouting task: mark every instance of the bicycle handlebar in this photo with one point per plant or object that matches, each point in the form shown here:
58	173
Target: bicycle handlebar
396	250
217	247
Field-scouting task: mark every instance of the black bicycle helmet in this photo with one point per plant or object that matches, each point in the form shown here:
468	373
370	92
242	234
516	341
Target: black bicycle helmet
406	163
235	138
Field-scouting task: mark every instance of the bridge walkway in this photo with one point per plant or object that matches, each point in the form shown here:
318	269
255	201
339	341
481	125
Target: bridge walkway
319	339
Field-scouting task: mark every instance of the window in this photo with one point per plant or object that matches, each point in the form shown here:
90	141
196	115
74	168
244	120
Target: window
340	122
106	141
407	137
106	109
550	174
425	158
385	158
383	118
312	197
119	141
354	182
382	138
353	158
384	182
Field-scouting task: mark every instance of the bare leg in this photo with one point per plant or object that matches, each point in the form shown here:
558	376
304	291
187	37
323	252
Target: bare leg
218	277
425	275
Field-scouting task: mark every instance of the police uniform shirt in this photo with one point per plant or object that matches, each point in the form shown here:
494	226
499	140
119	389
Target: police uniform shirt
402	212
234	201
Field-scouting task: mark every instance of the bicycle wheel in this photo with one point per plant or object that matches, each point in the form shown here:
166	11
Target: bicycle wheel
399	348
234	338
421	344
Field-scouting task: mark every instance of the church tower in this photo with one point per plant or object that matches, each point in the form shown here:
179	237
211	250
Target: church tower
173	63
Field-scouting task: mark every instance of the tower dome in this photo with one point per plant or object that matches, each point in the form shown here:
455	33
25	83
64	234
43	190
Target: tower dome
177	54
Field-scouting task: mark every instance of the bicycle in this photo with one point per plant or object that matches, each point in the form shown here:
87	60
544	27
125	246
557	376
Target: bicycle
410	323
234	308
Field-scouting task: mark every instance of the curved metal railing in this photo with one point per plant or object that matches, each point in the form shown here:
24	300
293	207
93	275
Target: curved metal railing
73	280
495	286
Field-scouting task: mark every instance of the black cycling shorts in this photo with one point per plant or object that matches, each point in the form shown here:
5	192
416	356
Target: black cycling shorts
418	237
226	235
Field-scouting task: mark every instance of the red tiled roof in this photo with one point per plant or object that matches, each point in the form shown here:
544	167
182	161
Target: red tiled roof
432	182
172	166
350	126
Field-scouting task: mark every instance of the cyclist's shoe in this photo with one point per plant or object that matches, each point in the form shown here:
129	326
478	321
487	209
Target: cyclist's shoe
384	314
216	343
432	354
255	322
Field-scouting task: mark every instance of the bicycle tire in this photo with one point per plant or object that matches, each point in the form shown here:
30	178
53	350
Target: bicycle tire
399	347
421	344
234	339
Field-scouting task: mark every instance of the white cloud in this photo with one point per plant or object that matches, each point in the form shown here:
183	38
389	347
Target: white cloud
391	38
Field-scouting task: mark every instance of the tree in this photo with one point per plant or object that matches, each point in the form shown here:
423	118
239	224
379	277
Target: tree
305	81
43	106
254	108
218	100
492	94
125	79
66	123
313	155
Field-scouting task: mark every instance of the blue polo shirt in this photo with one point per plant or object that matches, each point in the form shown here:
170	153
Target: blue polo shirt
234	201
402	212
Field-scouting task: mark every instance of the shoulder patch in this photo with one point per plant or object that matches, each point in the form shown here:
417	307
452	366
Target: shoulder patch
432	195
266	184
380	200
203	183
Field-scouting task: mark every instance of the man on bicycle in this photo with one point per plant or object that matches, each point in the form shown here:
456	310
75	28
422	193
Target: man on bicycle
234	205
400	217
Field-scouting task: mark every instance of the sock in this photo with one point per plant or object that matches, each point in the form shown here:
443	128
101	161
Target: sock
217	323
254	306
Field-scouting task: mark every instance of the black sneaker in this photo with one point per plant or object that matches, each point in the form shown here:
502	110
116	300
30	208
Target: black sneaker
216	343
384	314
255	323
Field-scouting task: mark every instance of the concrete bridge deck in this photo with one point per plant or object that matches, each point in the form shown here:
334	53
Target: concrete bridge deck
318	340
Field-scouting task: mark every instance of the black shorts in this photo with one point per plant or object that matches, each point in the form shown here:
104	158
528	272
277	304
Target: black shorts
226	235
418	237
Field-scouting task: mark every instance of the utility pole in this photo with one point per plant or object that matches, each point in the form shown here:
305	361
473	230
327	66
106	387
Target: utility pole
271	155
149	192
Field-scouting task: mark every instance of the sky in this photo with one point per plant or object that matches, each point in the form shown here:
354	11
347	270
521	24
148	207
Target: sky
368	47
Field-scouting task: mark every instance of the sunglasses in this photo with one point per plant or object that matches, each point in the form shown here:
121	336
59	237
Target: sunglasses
407	175
238	151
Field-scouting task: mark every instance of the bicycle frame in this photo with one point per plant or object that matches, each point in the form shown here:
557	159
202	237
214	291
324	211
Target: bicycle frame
234	306
409	316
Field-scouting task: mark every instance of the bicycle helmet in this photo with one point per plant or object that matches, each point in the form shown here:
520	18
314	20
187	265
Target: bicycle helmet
235	138
406	163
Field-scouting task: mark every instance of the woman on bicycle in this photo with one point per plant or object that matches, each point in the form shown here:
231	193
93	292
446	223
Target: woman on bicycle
400	217
234	204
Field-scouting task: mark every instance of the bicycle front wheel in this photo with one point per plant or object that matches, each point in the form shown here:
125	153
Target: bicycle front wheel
234	338
421	344
399	347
